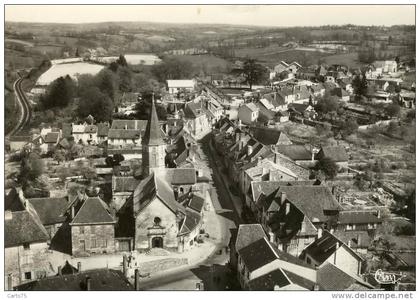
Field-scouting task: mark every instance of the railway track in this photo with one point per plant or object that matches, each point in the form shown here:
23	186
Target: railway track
25	109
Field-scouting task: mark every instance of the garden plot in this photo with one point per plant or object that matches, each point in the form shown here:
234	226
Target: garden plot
71	69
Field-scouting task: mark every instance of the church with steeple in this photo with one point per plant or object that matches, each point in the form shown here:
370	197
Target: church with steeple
164	210
153	145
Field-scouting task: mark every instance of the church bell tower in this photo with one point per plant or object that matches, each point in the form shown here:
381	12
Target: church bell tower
153	145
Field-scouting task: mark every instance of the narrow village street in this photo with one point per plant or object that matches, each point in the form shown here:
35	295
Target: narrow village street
213	271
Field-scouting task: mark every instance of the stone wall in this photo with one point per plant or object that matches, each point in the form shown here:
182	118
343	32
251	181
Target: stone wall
97	239
145	220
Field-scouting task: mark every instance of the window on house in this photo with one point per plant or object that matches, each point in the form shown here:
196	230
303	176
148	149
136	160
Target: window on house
82	229
308	260
26	246
157	221
349	227
93	243
28	275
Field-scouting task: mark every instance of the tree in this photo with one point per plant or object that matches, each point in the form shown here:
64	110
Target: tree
326	104
94	102
63	173
393	110
32	166
77	53
59	93
360	86
107	82
253	72
349	127
59	156
122	61
89	173
173	68
328	167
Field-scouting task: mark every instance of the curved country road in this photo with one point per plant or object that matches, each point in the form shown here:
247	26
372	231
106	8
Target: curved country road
25	109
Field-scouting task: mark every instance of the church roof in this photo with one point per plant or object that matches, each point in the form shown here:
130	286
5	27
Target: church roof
153	186
153	134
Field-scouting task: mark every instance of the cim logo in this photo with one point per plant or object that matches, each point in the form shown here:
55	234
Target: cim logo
387	278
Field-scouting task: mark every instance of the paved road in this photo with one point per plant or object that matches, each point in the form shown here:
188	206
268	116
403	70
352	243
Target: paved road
213	272
25	109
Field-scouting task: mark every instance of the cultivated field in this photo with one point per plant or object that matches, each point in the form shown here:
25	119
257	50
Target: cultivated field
72	70
134	59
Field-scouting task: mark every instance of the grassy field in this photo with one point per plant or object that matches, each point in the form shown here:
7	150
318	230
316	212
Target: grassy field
209	64
348	59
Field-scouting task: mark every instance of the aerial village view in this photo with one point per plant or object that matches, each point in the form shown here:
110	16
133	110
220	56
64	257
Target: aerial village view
214	154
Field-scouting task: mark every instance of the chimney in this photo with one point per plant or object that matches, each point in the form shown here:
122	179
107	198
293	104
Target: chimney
349	243
283	197
337	245
319	233
249	150
125	126
8	215
136	280
303	226
287	208
271	235
332	230
125	265
9	282
316	287
313	155
79	267
359	241
88	284
72	212
59	271
379	214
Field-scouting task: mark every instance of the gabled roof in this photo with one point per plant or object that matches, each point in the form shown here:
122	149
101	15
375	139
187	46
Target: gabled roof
193	110
103	129
179	176
269	136
250	106
66	130
124	183
23	227
322	248
357	217
155	186
196	203
247	234
268	281
267	165
51	137
191	221
129	124
295	152
93	211
299	107
332	278
101	280
13	202
312	201
335	153
153	134
49	210
127	134
257	254
91	129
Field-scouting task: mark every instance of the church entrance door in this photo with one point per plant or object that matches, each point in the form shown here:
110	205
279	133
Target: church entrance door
157	242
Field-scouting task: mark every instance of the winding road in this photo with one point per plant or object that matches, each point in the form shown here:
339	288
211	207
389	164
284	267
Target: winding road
25	109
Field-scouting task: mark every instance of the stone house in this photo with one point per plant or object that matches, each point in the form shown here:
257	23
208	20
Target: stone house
176	86
291	214
358	221
85	133
50	141
198	119
126	133
103	129
92	228
337	154
25	248
51	213
248	113
122	188
327	248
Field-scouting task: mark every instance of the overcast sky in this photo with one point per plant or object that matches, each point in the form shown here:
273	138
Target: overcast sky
264	15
